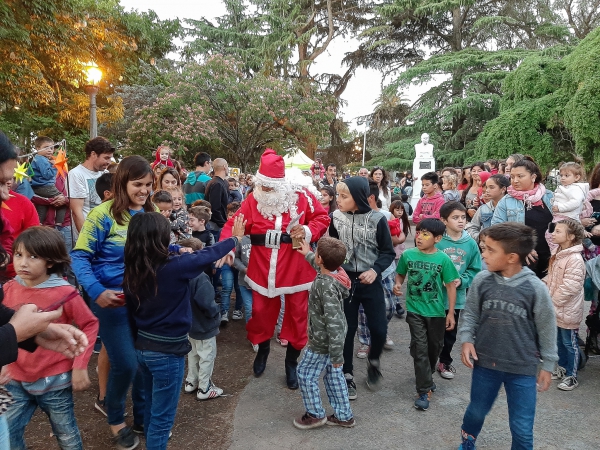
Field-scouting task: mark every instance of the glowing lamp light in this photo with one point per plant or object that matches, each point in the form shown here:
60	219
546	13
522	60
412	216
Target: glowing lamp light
93	74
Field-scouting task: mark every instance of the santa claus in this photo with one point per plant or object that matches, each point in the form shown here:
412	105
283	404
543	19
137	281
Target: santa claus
278	211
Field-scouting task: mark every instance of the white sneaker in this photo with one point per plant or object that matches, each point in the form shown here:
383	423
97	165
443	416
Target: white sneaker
190	388
446	371
568	384
363	351
389	344
224	319
211	392
559	373
237	314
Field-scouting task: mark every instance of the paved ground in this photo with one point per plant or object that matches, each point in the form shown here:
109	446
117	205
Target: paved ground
387	418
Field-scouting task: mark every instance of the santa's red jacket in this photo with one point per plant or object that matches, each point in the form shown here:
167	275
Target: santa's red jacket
272	272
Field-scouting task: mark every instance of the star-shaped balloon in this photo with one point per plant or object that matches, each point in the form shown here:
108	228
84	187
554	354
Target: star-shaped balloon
21	171
60	162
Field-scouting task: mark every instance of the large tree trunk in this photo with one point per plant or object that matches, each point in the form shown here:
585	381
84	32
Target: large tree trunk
457	75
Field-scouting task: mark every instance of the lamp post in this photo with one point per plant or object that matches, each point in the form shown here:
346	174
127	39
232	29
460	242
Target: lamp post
93	77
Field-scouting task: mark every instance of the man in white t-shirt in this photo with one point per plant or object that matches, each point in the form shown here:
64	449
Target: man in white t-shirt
82	179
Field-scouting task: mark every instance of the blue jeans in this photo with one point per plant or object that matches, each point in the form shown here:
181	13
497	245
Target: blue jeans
58	406
66	234
568	350
163	376
230	282
118	340
521	393
4	434
246	299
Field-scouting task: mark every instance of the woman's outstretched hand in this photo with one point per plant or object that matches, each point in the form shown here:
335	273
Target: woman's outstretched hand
239	227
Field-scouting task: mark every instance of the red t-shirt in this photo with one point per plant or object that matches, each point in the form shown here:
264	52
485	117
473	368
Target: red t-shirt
20	214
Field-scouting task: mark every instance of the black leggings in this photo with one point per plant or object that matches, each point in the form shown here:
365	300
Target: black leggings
373	301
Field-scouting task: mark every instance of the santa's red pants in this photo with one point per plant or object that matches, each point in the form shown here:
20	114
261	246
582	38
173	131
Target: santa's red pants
265	310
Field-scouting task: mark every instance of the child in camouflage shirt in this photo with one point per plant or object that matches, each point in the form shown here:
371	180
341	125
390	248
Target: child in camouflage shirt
326	335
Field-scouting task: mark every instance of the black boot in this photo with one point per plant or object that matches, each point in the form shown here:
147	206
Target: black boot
291	363
260	362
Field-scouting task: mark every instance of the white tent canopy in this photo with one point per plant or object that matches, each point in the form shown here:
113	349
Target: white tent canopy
297	158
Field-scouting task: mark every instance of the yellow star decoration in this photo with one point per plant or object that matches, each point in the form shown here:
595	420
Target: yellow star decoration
21	172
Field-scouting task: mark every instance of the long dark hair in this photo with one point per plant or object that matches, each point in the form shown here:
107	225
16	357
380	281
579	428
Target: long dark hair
595	177
397	204
384	184
167	170
131	168
530	167
464	179
463	197
146	249
332	202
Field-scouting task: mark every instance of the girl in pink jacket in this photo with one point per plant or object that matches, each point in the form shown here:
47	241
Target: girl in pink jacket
566	290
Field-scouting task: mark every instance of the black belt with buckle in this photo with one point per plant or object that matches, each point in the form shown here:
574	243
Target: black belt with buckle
260	239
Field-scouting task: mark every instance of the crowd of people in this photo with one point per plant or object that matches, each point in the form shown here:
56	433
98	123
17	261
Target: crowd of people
139	261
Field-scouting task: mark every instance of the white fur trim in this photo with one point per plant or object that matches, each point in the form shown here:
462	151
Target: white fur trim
277	291
308	234
267	181
273	263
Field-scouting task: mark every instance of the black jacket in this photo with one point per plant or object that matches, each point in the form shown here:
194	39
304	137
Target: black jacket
8	338
217	193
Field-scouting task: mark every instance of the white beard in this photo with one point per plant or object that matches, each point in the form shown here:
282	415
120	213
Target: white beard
280	200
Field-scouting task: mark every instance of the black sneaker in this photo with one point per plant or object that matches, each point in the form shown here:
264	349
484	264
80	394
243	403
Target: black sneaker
399	310
568	384
126	439
97	345
352	395
100	406
138	429
373	374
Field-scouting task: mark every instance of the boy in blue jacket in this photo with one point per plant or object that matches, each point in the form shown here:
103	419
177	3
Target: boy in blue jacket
43	180
206	318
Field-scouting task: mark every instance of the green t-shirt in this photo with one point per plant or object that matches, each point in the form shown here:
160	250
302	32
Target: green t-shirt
426	275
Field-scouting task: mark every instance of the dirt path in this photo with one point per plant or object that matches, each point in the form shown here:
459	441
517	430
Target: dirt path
197	423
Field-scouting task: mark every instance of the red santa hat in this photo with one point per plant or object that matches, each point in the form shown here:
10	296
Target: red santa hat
272	168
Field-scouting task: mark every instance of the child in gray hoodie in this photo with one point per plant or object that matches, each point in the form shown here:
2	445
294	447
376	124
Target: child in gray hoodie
326	335
508	334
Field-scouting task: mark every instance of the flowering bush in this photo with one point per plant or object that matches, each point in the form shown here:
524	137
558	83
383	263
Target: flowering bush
216	104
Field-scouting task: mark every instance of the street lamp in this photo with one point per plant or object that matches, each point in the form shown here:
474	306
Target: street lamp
93	76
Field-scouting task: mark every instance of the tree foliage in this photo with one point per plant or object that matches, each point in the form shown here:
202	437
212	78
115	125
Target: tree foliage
463	49
551	108
44	46
215	104
285	39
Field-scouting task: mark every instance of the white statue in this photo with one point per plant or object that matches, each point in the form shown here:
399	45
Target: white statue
424	150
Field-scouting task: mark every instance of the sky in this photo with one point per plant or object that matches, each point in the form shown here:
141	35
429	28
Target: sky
363	88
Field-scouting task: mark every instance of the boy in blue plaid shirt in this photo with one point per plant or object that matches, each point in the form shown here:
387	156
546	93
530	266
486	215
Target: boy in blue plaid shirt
326	336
